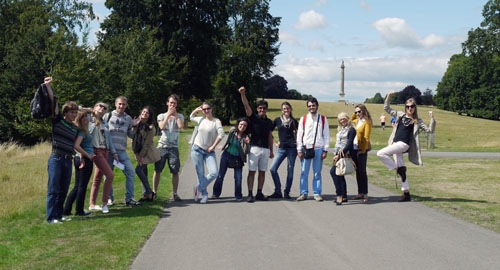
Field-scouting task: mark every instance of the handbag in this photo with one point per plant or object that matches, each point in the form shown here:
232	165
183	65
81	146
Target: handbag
309	153
345	166
234	162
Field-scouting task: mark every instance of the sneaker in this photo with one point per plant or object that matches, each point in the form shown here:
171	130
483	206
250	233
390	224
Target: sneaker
65	219
302	197
95	208
318	198
250	199
55	221
260	197
204	199
239	199
105	209
154	195
287	195
275	196
110	202
195	192
132	202
175	197
215	197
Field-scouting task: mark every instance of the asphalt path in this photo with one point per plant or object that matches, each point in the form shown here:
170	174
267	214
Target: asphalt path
286	234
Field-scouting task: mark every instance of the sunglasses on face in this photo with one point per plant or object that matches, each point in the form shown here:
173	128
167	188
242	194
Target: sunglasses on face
102	106
357	112
206	109
410	106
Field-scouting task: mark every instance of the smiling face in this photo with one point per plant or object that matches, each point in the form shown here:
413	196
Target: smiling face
242	126
358	112
286	110
121	105
144	114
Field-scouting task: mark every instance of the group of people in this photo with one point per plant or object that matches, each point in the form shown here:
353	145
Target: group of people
251	141
99	138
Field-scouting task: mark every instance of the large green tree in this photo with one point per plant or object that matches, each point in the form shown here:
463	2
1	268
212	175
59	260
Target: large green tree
39	38
471	84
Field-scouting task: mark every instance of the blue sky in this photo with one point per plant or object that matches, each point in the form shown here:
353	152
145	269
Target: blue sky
385	44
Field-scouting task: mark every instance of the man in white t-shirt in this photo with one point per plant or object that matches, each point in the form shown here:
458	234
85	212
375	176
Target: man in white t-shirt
170	124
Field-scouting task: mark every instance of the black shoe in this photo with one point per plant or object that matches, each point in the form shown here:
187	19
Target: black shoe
275	196
287	195
154	195
84	214
250	199
132	202
405	197
260	197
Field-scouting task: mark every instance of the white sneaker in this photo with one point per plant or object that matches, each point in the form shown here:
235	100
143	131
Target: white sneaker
195	191
55	221
105	209
65	219
110	202
94	208
204	199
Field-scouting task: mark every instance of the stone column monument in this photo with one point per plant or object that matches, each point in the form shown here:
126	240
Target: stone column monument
342	83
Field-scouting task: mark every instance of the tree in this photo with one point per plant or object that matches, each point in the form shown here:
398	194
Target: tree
276	87
294	94
427	97
470	83
39	39
410	91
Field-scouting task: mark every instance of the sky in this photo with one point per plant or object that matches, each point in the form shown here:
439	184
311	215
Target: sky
385	44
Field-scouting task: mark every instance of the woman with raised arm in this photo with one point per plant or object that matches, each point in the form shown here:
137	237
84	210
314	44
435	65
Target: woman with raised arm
404	138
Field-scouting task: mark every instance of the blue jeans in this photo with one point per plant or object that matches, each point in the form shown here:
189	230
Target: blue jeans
238	175
79	191
291	155
304	175
129	172
201	157
59	170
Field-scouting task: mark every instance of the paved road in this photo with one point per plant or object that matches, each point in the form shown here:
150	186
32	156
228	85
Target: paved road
283	234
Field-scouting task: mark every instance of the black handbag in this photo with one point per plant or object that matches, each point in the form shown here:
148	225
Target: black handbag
234	162
309	153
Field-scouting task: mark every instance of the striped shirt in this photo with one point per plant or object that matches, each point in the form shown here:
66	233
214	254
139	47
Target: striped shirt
63	136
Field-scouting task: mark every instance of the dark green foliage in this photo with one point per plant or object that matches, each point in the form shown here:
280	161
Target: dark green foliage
471	84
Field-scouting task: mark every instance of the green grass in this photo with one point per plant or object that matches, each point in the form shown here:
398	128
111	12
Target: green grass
461	187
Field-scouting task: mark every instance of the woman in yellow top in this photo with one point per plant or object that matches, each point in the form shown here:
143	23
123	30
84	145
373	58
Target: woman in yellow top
362	121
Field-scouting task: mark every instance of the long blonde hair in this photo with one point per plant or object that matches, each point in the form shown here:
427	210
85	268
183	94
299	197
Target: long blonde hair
341	116
78	121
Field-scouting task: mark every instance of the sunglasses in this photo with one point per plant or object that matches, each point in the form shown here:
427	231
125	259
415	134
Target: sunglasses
206	109
357	112
410	106
102	106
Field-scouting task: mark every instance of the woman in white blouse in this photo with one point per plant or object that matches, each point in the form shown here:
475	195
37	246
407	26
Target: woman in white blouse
210	133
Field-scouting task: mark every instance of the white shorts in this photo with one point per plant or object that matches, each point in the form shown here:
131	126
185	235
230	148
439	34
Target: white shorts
258	158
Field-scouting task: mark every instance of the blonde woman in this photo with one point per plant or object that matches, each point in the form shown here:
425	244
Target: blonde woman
101	141
404	138
83	165
363	124
344	146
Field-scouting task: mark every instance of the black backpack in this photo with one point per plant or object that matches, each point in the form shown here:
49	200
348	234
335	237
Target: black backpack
40	104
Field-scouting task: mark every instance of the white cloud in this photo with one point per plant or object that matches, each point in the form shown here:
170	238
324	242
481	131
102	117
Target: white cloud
311	20
397	33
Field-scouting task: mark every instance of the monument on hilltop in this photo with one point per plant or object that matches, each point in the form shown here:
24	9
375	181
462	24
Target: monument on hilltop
342	94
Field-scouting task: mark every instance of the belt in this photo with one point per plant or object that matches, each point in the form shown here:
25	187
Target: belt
65	156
